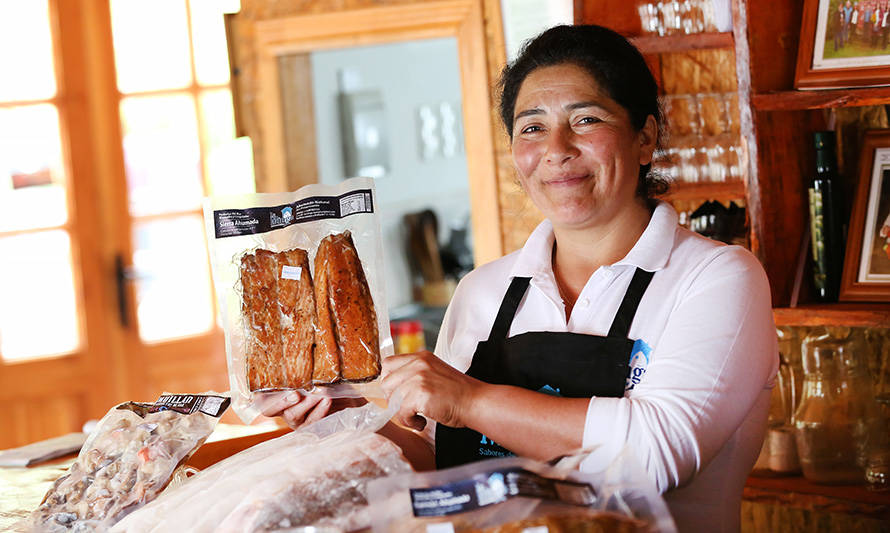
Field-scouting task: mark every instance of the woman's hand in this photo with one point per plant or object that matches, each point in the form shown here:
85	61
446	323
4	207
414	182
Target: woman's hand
429	387
299	409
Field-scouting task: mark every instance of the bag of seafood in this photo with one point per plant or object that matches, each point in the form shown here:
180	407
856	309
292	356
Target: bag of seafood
299	280
520	495
127	461
314	478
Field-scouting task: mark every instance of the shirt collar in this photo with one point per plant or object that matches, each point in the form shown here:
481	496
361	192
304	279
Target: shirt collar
651	251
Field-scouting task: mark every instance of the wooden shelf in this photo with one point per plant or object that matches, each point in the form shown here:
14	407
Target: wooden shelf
822	99
723	191
867	315
654	44
798	492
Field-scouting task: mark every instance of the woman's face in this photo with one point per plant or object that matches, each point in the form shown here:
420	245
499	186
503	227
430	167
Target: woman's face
576	151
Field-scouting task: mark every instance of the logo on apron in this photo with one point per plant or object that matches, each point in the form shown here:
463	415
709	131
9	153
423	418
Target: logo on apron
639	362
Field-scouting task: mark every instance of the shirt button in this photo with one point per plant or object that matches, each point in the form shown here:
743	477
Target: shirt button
584	302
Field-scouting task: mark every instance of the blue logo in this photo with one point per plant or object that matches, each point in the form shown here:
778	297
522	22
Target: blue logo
639	362
287	214
547	389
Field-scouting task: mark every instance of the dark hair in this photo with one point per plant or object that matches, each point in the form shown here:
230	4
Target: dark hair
614	63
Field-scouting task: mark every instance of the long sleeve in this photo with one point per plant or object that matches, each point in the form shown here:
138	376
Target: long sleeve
714	359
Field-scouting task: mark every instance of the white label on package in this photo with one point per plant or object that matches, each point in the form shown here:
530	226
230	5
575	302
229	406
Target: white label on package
291	272
445	527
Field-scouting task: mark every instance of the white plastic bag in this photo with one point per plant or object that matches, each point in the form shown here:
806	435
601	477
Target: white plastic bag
315	476
127	461
515	494
271	254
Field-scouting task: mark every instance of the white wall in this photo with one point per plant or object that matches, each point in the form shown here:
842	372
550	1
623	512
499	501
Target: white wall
409	75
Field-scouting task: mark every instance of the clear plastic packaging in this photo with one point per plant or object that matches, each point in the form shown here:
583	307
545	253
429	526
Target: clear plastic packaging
299	280
516	494
315	476
127	461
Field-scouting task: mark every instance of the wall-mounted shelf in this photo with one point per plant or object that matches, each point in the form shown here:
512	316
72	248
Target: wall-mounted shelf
722	191
800	493
866	315
654	44
822	99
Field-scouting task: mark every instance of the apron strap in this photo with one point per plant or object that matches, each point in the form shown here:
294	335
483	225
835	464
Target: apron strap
625	315
508	308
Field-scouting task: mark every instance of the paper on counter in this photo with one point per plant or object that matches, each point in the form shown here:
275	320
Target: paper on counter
44	450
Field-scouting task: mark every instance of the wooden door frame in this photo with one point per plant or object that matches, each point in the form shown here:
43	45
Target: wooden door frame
462	19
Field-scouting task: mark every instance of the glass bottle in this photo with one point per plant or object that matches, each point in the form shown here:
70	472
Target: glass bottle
826	233
825	419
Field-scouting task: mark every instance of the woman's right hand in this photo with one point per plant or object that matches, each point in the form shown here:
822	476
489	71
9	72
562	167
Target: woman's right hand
298	409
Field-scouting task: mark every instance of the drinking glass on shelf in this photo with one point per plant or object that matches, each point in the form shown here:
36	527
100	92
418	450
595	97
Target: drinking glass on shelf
671	14
650	17
689	163
715	152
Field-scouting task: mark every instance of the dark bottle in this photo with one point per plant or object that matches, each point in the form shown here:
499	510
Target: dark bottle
826	230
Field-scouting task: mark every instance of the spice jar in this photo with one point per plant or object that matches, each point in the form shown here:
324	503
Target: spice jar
826	420
407	336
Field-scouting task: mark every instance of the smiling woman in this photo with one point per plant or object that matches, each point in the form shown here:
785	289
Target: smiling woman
600	333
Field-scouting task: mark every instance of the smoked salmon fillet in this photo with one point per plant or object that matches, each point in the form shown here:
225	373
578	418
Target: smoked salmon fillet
278	306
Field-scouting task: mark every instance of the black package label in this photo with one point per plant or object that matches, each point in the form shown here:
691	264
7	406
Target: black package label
190	403
496	486
236	222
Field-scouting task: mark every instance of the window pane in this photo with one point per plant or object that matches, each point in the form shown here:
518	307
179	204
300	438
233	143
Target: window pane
151	45
229	163
32	179
209	41
173	290
26	51
162	154
38	310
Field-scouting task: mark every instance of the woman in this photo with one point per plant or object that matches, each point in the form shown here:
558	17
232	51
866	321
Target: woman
613	325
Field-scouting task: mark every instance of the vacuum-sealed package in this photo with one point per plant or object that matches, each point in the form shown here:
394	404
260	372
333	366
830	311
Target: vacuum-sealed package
127	461
299	280
315	477
519	495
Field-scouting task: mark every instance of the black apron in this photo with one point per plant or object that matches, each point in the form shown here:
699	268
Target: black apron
572	365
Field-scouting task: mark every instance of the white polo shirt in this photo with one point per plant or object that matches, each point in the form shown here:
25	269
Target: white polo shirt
703	363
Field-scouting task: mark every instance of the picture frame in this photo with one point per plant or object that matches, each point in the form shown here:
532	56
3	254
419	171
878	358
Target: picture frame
866	273
834	52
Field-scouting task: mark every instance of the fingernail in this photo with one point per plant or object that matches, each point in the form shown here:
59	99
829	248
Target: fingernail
293	397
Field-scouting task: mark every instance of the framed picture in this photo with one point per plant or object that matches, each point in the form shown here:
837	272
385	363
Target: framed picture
866	275
843	43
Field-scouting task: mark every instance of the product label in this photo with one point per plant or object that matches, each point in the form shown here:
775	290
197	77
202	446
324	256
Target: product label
817	236
236	222
494	487
291	272
190	403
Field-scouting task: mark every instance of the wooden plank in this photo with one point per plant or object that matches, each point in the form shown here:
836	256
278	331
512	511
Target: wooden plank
619	16
298	117
800	100
655	44
865	315
773	30
778	207
798	492
720	191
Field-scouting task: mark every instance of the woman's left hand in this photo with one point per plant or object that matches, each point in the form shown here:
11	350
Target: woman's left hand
429	387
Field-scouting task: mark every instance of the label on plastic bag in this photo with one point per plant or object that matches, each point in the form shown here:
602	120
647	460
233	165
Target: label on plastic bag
236	222
291	272
190	403
495	487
